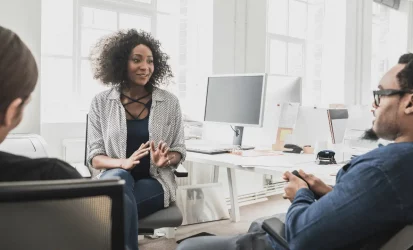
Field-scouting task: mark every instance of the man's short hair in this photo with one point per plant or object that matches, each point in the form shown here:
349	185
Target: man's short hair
406	58
18	70
405	76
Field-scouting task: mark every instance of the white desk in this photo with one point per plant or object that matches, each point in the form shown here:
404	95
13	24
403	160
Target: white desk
272	165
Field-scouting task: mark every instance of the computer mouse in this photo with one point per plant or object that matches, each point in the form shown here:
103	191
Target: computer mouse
292	148
295	172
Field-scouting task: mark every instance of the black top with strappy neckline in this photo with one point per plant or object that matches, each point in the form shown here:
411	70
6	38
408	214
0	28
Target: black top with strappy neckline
138	133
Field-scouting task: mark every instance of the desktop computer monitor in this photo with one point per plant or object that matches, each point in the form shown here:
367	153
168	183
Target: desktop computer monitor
236	100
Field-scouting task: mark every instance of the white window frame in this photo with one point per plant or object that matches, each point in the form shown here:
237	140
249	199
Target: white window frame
118	6
287	39
125	7
290	39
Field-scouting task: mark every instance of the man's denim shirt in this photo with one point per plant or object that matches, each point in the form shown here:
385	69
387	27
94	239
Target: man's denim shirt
372	197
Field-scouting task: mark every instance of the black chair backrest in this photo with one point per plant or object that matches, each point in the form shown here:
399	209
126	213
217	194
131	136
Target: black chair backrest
63	214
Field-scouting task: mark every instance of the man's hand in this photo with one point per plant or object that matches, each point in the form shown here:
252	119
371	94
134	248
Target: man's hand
159	155
316	185
131	162
294	184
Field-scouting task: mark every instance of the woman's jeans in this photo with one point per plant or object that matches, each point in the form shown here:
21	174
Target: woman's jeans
142	198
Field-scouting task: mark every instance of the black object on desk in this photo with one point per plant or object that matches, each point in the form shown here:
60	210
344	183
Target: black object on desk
292	148
326	157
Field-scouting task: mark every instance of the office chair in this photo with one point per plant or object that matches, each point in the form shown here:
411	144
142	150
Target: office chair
62	214
169	217
402	240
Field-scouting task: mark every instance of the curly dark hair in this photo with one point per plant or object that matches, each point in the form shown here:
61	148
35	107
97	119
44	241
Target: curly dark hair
110	55
405	76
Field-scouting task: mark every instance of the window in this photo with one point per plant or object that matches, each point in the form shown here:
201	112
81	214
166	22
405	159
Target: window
295	32
380	32
71	27
389	39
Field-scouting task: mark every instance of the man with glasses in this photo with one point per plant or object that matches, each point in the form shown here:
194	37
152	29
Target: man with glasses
377	94
371	200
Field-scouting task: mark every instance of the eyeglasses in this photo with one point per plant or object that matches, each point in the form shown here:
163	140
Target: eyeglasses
387	92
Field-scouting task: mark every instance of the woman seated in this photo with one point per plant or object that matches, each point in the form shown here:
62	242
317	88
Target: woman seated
135	129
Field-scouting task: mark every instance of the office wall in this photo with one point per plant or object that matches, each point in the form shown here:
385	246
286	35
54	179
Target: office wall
24	18
354	47
224	36
334	53
239	46
200	54
409	7
239	32
359	41
399	31
55	133
256	36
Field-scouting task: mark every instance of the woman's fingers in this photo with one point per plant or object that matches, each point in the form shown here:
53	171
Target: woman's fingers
165	150
163	146
141	155
139	151
152	147
144	145
160	144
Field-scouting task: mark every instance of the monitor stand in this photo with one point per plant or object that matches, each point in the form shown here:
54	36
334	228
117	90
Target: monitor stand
237	139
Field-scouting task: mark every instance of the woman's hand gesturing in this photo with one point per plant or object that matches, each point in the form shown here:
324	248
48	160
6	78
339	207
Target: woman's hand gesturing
131	162
159	154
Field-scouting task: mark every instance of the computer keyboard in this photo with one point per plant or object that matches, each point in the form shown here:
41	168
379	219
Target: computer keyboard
207	150
213	149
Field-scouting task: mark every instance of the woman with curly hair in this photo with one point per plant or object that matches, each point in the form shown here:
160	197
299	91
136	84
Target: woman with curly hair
135	129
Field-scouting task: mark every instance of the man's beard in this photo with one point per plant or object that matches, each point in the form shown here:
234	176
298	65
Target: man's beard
370	135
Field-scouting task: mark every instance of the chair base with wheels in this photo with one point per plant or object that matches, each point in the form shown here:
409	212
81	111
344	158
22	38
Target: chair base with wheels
170	218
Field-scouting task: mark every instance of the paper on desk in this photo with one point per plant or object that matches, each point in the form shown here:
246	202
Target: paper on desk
256	153
263	161
289	113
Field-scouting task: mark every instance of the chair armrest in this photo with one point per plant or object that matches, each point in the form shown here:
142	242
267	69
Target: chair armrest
181	171
276	229
82	169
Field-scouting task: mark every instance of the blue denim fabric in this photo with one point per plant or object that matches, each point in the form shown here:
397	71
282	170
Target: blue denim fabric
142	196
372	196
